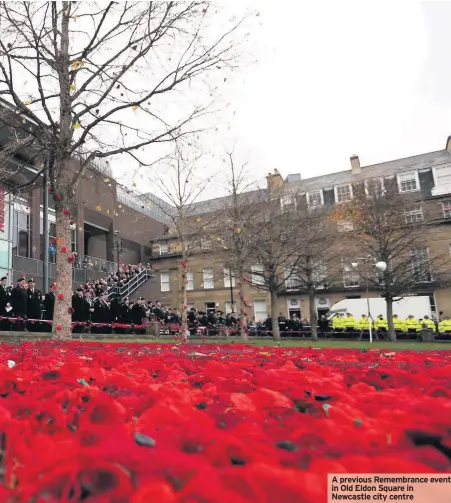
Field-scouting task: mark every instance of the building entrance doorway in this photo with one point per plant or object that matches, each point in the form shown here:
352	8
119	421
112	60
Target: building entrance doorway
294	313
95	239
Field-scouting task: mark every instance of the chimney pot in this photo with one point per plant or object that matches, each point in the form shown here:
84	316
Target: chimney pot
355	165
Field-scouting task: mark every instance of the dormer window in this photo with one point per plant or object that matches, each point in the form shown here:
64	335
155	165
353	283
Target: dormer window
408	182
315	198
343	193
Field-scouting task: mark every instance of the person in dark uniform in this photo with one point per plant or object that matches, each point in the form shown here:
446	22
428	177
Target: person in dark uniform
101	314
202	319
212	318
127	314
89	303
34	307
177	317
5	304
80	311
138	314
49	306
19	303
158	311
116	309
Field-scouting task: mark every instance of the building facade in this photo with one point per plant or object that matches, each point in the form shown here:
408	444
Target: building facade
425	179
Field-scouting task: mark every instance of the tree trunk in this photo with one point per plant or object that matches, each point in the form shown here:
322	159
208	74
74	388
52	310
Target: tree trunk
313	313
184	296
391	326
241	317
62	317
274	316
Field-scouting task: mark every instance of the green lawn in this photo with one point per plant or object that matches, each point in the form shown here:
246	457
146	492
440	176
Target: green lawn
399	345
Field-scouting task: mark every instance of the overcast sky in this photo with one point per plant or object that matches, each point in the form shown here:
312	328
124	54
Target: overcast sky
335	79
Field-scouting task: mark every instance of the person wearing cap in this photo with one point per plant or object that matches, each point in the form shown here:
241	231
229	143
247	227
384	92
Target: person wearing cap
34	306
412	325
5	304
49	307
429	323
381	325
398	324
19	303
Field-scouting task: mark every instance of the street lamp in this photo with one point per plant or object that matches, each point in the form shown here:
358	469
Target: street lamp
118	249
380	267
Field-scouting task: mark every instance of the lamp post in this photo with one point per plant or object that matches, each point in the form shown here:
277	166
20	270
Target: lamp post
119	249
231	290
380	267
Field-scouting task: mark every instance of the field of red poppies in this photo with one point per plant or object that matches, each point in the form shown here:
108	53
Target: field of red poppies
99	423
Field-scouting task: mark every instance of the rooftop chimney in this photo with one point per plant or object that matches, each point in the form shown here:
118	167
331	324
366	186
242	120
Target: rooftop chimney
275	181
355	165
448	144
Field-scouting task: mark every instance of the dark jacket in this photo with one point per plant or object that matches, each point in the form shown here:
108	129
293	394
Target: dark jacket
34	304
19	301
102	312
5	297
138	314
81	308
49	305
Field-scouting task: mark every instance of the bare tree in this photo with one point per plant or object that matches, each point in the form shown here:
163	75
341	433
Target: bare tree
182	188
386	226
236	227
272	258
314	256
91	81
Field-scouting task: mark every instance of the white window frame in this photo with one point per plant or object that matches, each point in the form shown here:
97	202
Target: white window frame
163	248
163	281
428	263
416	177
345	226
257	279
259	318
208	279
435	171
411	214
446	211
366	182
315	192
227	278
351	195
190	280
205	244
350	273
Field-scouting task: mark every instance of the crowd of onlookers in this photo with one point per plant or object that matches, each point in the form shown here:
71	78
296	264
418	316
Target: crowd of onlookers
98	306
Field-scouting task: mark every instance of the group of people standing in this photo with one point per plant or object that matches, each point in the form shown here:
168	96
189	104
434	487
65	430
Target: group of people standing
347	323
23	302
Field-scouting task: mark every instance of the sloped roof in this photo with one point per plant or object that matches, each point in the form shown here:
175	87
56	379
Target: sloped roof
383	169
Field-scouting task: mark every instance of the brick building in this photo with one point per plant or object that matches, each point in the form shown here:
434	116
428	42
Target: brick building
425	179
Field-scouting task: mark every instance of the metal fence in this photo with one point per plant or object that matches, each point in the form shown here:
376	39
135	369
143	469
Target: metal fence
97	264
33	268
131	286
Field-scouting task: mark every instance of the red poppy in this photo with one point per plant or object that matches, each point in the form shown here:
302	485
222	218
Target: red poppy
60	296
